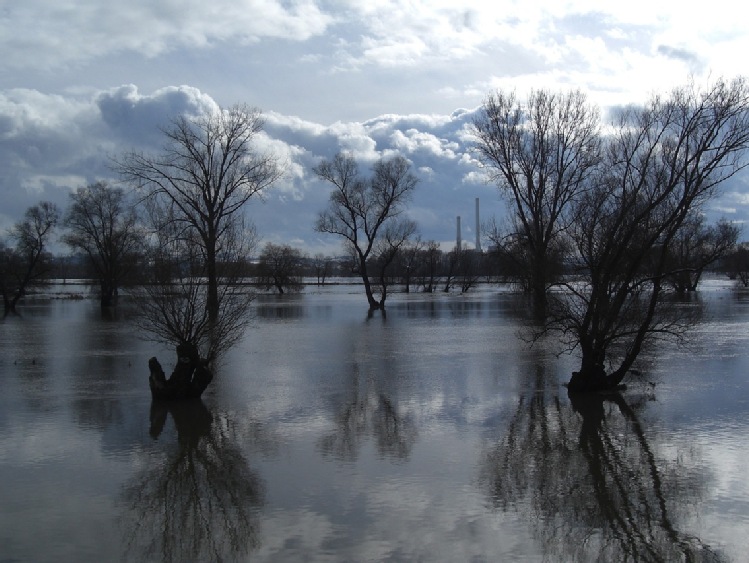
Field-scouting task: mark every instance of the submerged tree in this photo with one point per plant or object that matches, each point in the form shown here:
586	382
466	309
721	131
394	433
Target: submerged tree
280	267
696	247
511	255
542	155
407	261
428	262
24	261
102	222
387	249
362	210
208	170
662	163
322	266
175	307
463	269
737	264
196	190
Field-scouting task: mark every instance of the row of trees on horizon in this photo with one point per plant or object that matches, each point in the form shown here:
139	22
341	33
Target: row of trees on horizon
612	214
417	265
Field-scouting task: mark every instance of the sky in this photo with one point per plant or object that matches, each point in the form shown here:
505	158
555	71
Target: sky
82	81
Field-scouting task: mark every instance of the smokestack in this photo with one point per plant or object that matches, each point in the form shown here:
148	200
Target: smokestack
458	241
478	227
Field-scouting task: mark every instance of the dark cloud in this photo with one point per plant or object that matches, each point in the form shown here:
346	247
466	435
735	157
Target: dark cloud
51	144
678	54
438	147
137	119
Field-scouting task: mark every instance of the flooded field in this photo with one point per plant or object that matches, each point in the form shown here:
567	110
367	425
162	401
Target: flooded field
432	434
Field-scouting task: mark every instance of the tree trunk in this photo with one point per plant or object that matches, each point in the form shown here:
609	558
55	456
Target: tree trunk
384	287
108	294
592	376
538	289
189	379
15	299
373	303
591	379
212	275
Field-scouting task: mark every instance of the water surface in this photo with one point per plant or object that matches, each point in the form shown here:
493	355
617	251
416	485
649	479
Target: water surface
431	434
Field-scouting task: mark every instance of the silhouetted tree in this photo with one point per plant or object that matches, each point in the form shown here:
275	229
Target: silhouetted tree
468	268
663	162
280	267
174	301
102	223
361	210
737	264
395	236
408	261
25	260
208	170
461	267
429	260
512	253
541	154
195	192
696	247
323	266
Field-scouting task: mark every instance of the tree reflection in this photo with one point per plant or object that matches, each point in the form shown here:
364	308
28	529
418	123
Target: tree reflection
200	503
368	412
591	483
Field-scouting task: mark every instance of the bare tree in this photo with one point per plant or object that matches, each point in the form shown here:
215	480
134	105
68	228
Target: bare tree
102	223
428	266
322	265
541	154
737	264
360	209
195	191
280	267
512	254
469	268
408	261
174	301
208	170
394	238
664	161
696	247
24	262
449	268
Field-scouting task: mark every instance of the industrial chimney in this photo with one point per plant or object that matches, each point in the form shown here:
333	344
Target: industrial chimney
458	240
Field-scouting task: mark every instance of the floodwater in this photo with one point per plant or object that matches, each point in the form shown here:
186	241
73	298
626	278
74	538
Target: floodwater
433	434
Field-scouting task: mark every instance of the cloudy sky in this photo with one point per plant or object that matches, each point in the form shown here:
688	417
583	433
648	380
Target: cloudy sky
83	80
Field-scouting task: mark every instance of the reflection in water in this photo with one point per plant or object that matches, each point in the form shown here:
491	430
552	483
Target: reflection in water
200	503
367	412
280	311
591	483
